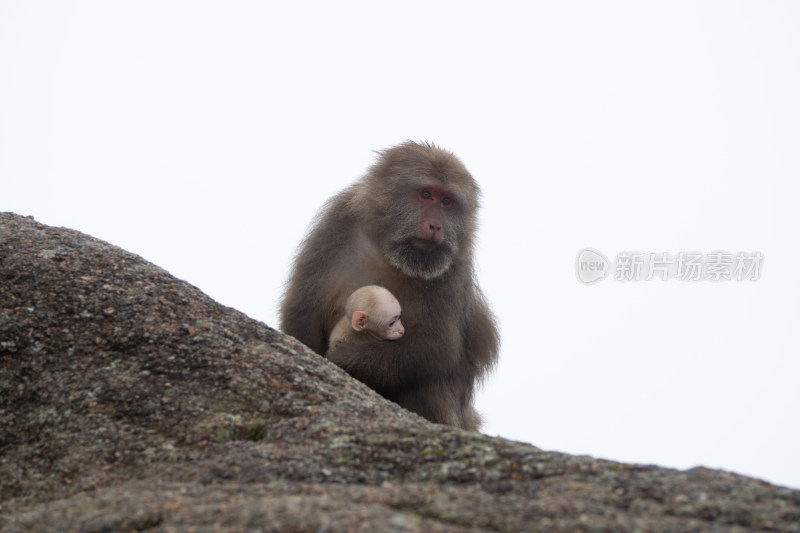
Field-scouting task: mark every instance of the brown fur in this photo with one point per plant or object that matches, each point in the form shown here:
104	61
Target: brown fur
363	236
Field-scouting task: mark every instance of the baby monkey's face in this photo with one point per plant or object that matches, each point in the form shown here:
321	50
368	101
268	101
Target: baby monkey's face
386	324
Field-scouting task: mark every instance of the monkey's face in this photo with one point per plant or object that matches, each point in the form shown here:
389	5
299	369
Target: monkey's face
422	207
394	329
424	241
384	322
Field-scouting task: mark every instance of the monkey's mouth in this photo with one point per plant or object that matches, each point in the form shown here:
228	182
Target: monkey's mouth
421	258
426	245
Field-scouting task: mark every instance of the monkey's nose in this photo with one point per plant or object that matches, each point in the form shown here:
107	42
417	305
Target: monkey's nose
435	228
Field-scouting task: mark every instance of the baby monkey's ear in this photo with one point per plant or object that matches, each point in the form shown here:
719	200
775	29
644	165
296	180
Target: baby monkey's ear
359	320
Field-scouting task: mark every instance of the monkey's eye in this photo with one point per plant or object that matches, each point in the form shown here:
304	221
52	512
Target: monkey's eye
447	200
426	194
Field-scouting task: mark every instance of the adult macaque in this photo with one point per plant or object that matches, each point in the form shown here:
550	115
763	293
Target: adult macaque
371	313
408	225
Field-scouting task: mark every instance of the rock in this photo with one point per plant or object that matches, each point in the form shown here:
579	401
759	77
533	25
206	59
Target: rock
129	400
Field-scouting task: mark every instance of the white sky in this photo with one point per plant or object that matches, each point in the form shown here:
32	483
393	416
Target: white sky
204	137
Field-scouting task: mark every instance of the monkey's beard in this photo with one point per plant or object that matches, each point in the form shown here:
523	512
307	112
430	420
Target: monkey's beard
421	258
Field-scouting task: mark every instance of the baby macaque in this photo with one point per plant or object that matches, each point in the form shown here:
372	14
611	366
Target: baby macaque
370	312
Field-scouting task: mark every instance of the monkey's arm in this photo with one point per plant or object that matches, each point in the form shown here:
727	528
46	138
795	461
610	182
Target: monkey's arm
379	364
342	332
481	339
308	307
301	313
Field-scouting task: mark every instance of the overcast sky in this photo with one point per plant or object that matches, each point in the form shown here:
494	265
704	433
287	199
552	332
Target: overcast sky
204	137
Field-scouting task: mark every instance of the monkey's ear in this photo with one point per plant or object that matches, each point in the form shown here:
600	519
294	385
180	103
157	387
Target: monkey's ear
359	320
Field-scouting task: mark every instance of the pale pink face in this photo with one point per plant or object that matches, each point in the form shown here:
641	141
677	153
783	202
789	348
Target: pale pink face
384	323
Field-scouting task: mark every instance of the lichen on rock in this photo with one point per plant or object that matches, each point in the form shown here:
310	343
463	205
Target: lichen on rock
129	400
